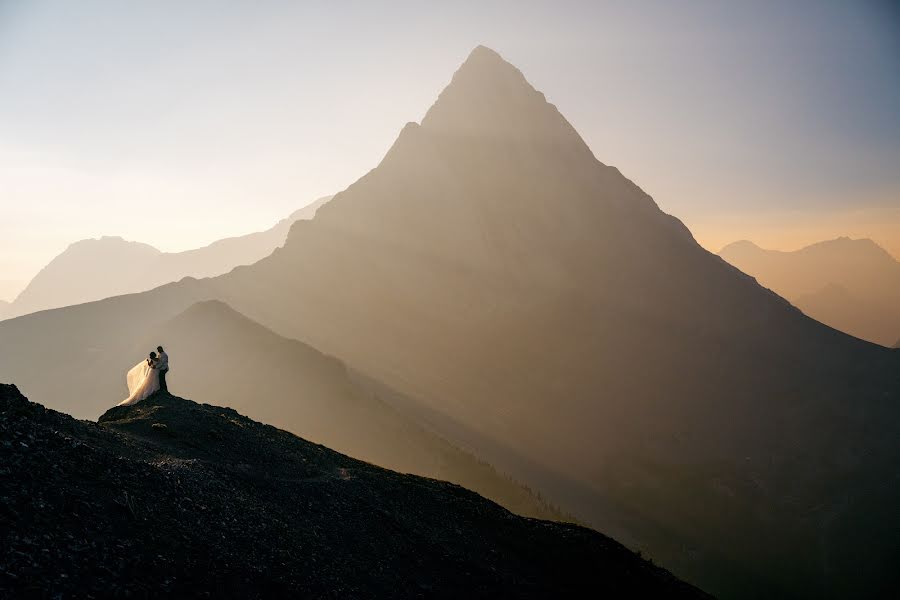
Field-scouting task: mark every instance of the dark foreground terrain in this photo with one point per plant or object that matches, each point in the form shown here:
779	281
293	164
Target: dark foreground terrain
173	497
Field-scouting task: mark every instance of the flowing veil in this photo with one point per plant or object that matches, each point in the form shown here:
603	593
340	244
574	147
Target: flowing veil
142	381
136	376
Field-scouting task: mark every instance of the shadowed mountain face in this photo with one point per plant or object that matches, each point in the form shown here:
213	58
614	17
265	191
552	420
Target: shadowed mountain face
174	498
851	285
222	354
110	266
538	308
216	352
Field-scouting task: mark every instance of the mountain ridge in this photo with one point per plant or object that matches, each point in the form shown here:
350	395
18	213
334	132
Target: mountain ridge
96	268
866	244
850	284
172	497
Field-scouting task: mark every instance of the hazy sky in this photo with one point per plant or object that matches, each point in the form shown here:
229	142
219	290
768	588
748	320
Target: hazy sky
178	123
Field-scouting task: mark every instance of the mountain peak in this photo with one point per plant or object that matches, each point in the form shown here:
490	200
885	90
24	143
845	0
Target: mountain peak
481	52
489	97
740	246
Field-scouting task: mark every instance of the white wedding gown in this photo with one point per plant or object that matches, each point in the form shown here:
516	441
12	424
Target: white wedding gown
142	381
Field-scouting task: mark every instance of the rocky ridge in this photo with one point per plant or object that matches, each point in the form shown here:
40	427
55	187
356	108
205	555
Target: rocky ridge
174	497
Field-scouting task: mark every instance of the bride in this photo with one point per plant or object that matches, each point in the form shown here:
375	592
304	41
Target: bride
143	380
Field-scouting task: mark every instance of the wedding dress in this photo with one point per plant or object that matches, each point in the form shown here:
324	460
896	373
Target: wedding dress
142	381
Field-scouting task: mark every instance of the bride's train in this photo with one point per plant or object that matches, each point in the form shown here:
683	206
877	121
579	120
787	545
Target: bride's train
142	381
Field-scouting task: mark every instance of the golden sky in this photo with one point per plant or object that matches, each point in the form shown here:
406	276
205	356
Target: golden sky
176	124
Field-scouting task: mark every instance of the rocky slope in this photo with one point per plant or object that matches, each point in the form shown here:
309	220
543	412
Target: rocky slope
174	498
851	285
110	266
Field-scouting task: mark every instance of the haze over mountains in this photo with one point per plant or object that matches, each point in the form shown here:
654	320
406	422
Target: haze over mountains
851	285
536	307
94	269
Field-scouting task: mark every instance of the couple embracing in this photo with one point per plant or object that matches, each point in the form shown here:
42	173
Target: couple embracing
147	377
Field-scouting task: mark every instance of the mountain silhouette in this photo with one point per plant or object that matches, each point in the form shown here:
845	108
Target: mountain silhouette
534	306
851	285
169	497
111	266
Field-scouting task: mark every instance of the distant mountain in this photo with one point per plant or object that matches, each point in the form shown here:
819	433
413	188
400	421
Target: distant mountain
851	285
219	353
111	266
536	307
172	498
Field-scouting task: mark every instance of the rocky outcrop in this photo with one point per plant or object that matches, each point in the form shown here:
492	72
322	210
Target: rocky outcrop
169	497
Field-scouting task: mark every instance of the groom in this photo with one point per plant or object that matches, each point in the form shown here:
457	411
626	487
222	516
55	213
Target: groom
163	366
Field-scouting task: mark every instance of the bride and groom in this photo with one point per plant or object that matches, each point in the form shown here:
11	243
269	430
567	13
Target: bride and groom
147	377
